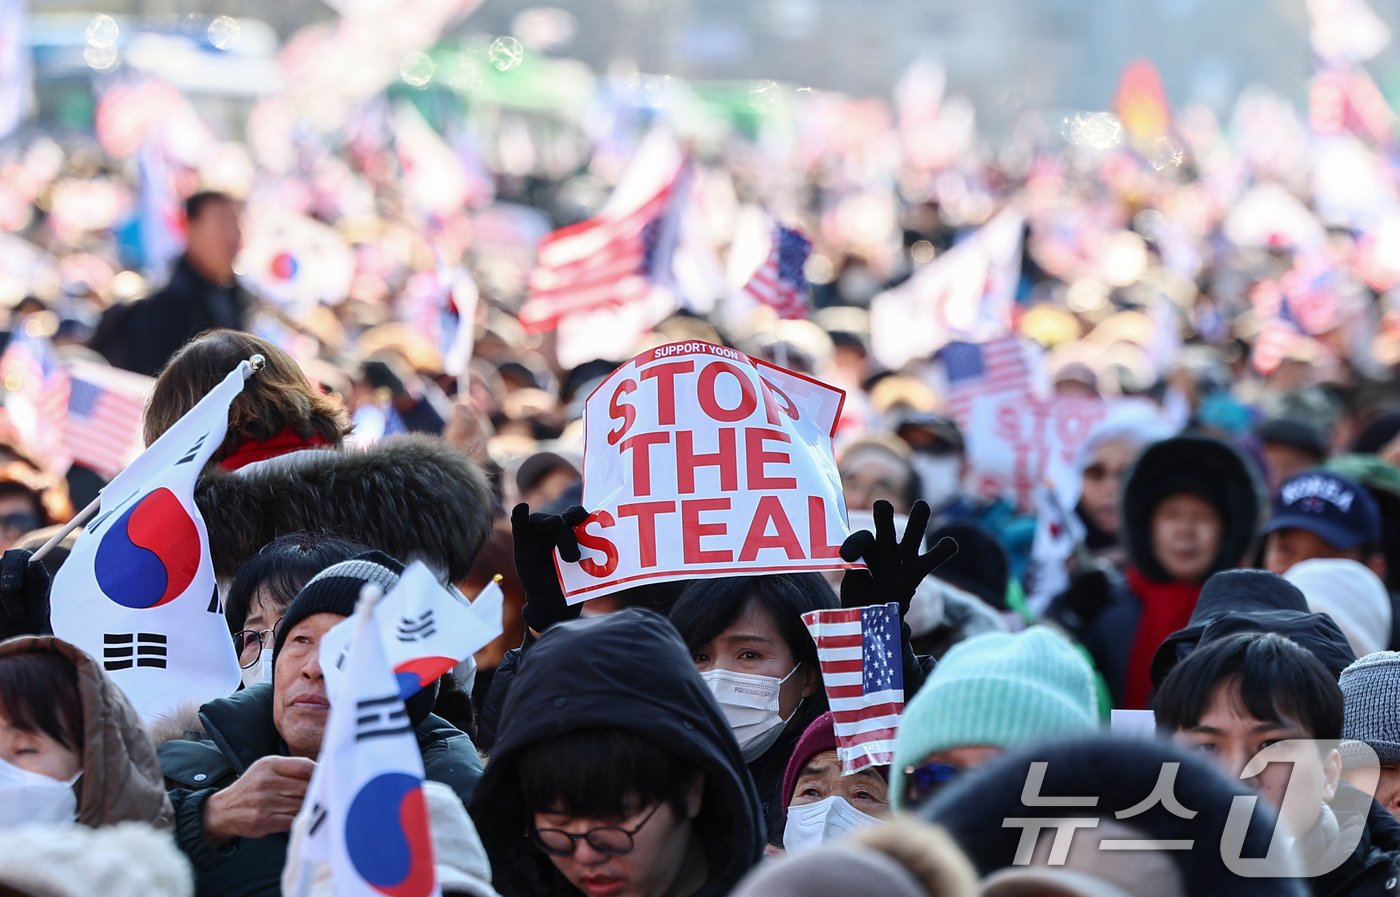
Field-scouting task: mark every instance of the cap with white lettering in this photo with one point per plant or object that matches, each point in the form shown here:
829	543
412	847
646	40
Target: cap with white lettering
1336	508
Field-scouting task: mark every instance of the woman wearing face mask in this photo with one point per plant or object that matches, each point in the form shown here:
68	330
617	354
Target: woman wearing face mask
824	804
748	640
72	748
265	586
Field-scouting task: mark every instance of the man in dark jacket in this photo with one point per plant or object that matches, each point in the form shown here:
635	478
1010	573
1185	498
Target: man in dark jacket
237	792
202	293
1263	709
671	811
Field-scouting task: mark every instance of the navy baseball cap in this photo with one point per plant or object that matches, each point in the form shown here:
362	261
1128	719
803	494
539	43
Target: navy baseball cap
1336	508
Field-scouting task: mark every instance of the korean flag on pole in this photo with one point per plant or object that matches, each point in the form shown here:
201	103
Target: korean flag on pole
426	628
364	819
137	593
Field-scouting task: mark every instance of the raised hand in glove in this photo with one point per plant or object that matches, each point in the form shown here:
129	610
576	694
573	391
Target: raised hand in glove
536	536
1088	593
894	565
24	595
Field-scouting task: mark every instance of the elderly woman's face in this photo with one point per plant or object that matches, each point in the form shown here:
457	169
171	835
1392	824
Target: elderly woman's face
1103	482
869	474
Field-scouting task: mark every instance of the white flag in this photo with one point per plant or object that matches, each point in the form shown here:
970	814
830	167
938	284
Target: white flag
364	816
426	630
137	593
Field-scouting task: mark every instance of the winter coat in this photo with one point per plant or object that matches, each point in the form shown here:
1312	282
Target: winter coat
142	336
627	670
121	780
1106	621
239	730
413	497
1373	869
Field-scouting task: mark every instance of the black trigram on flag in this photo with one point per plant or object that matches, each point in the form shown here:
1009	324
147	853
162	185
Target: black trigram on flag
414	630
124	650
380	717
318	817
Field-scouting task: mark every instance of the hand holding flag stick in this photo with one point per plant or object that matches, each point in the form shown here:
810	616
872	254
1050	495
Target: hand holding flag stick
254	364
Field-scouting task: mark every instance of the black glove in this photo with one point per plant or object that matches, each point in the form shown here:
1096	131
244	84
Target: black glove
24	595
536	536
894	566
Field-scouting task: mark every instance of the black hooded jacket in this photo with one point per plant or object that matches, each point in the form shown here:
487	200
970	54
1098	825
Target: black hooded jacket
627	670
1373	869
1203	466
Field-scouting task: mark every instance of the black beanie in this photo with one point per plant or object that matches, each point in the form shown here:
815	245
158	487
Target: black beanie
336	590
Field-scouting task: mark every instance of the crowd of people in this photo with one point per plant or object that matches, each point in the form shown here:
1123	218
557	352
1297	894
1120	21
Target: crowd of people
1220	552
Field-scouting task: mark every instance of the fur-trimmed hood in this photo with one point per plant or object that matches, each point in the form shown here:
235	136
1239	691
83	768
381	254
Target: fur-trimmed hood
413	497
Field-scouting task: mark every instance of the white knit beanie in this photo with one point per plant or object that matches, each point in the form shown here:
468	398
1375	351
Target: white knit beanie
1349	593
130	859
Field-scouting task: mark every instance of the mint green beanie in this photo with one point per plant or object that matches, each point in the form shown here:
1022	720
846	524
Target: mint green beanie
998	690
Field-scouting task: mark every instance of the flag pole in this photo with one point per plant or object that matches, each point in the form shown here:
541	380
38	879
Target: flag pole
255	364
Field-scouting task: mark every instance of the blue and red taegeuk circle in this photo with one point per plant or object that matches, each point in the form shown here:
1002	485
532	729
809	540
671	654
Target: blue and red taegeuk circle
413	675
387	836
150	554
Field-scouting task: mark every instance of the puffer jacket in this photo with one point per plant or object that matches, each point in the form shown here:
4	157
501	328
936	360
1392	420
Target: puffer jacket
121	780
238	730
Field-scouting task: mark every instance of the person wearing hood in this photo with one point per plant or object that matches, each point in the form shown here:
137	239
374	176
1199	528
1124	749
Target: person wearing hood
1237	601
72	748
615	773
1264	710
1352	595
1191	506
996	813
237	789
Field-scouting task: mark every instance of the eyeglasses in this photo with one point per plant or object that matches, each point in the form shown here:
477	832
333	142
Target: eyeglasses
609	840
923	782
249	643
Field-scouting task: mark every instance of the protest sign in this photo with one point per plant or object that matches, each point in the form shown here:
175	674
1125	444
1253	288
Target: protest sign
1015	442
702	462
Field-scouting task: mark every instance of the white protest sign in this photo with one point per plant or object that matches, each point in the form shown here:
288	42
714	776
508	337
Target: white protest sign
1015	442
702	462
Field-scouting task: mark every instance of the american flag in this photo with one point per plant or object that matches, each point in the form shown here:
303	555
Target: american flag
860	650
102	429
617	257
781	281
36	395
975	370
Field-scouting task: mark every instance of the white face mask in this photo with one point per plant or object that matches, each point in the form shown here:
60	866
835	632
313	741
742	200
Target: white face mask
260	671
750	703
28	797
808	825
940	476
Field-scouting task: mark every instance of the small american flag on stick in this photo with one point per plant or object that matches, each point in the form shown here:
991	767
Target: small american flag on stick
781	281
860	652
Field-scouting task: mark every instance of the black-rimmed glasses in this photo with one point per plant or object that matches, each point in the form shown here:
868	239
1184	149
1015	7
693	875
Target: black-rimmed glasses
249	643
609	840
